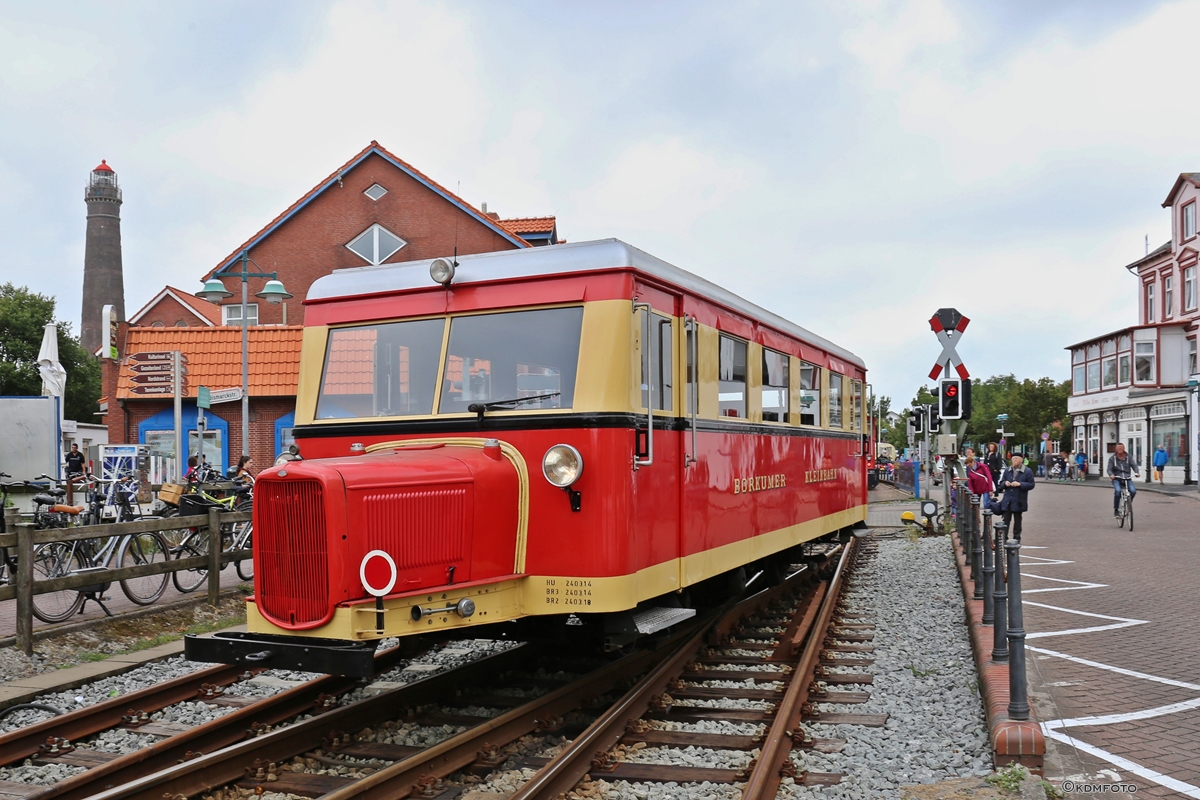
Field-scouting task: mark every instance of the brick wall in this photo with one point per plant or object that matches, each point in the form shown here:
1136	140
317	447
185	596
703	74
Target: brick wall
169	313
312	243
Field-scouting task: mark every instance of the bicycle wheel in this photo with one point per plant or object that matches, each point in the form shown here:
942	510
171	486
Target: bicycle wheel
56	560
1129	510
188	580
139	549
243	541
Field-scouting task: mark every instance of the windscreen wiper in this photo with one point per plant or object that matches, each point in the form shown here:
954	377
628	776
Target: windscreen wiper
480	408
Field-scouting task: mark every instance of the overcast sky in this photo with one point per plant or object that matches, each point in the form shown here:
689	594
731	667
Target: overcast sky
851	166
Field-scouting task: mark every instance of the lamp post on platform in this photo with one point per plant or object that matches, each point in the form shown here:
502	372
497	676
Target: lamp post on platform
214	291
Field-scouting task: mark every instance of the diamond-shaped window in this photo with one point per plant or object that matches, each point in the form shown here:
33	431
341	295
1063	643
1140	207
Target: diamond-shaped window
375	191
375	244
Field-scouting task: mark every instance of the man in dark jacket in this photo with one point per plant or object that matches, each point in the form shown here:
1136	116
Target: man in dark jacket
1016	483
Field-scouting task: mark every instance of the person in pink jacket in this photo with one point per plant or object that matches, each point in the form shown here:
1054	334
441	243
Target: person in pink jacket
979	479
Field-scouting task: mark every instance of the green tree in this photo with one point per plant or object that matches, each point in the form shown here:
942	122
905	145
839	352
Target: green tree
23	318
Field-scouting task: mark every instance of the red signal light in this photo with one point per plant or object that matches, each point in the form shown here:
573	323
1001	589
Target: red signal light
952	390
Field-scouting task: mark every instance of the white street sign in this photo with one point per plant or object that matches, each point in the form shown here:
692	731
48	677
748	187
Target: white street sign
225	395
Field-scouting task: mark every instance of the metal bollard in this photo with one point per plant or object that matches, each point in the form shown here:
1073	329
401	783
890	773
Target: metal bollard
977	575
989	571
1000	598
1018	702
969	552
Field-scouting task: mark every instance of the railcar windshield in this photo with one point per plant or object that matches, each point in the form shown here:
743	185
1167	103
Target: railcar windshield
387	370
510	356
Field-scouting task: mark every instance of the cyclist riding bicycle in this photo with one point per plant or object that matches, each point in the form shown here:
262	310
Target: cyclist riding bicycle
1120	466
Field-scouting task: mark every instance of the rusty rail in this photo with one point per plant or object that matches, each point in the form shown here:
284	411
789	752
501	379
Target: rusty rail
764	778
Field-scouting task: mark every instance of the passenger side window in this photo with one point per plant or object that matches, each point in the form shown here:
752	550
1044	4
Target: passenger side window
732	386
835	400
774	386
810	394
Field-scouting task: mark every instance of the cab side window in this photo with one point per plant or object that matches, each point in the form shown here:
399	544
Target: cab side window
732	386
662	341
835	400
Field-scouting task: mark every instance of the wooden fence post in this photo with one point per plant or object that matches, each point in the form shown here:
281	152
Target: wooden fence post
214	556
24	579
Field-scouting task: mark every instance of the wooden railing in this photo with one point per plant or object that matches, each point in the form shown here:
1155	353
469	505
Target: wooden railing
27	538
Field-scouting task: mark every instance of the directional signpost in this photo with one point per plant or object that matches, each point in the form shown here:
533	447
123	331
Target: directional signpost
162	374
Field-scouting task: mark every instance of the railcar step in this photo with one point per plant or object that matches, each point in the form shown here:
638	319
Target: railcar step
653	620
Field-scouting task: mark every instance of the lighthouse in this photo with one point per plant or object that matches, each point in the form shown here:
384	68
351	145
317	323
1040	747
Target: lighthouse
103	281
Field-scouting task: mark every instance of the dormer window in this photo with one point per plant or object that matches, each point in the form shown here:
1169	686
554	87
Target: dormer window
1189	220
376	244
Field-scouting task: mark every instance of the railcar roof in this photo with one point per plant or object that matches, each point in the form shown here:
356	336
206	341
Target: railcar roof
603	254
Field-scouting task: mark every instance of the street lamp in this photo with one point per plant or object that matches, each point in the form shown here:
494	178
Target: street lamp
214	291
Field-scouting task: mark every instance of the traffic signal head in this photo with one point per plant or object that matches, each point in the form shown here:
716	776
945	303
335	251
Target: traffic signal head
916	420
950	398
935	420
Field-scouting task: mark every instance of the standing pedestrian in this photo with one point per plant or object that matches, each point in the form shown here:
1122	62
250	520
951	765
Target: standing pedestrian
1160	462
994	460
75	464
979	480
1016	483
1081	465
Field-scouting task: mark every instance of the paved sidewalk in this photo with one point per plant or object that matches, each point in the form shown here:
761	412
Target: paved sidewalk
1114	637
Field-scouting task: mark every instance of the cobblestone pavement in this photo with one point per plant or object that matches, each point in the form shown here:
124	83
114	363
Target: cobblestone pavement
1114	638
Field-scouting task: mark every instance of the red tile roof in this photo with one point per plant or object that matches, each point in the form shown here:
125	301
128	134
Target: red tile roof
203	309
519	225
215	357
337	173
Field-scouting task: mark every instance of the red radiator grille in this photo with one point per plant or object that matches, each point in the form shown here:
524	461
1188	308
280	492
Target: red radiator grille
418	527
291	556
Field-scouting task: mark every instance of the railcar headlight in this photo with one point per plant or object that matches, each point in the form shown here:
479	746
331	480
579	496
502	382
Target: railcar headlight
562	465
442	271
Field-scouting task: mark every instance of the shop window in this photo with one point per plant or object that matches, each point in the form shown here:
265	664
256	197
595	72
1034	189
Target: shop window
774	386
732	385
1108	372
1171	434
1123	365
1143	362
810	394
835	400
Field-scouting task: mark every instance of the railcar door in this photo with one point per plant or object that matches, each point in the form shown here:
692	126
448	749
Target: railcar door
657	463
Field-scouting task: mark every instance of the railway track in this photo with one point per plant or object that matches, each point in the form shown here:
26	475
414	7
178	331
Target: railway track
769	655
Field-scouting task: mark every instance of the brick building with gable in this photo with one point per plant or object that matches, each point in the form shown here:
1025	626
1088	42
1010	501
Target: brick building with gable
374	209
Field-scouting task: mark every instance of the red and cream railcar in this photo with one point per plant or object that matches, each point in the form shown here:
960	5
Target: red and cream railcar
487	440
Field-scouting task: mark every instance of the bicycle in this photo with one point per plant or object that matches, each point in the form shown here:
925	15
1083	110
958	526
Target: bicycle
1125	506
234	536
59	559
